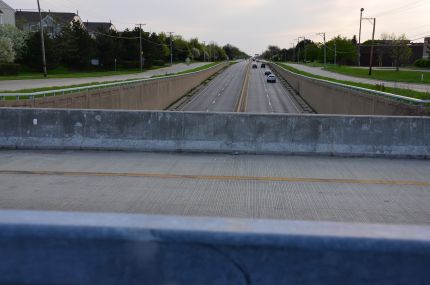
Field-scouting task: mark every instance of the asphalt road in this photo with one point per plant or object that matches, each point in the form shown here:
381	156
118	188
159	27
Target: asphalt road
359	190
266	97
222	93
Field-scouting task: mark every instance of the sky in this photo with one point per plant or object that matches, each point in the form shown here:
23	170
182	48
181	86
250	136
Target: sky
252	25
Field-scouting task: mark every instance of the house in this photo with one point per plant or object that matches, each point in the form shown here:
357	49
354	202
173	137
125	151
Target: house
99	27
382	55
426	52
52	22
7	14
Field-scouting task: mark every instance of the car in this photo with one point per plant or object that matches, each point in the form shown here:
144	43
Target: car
263	65
271	78
267	72
254	66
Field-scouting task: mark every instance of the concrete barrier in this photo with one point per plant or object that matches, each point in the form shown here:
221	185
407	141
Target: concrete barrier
371	136
150	94
328	98
76	248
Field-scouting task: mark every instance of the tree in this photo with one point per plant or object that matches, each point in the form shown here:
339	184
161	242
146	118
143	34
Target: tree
400	51
108	48
33	54
17	38
7	53
77	46
346	51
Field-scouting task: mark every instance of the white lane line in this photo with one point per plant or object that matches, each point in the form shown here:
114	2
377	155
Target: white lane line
213	102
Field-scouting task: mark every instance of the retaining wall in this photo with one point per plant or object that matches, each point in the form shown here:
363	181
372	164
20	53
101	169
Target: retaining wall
327	98
71	248
154	94
209	132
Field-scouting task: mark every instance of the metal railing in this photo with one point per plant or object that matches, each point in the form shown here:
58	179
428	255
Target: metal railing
87	88
408	100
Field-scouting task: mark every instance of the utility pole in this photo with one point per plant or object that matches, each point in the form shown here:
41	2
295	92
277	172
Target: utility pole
298	43
335	53
304	47
171	48
294	51
204	51
140	44
373	44
325	48
42	39
359	37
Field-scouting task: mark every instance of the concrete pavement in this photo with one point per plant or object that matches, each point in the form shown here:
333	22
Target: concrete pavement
358	190
267	98
13	85
320	72
222	93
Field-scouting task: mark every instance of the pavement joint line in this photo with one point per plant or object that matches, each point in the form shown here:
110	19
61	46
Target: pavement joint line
219	177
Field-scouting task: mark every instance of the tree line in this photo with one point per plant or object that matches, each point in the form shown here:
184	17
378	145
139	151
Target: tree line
76	48
343	51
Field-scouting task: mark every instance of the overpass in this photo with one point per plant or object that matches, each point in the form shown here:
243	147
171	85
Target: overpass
132	197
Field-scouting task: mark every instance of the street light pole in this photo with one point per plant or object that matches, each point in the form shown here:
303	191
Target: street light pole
359	37
42	39
204	51
373	46
171	48
140	45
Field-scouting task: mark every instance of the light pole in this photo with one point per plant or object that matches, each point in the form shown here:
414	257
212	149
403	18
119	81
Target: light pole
373	44
140	46
325	48
359	37
42	39
171	48
304	47
204	51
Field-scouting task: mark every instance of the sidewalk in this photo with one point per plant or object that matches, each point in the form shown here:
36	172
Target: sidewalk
320	72
14	85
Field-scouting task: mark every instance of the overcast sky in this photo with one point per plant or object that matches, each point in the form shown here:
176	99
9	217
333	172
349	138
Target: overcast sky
252	24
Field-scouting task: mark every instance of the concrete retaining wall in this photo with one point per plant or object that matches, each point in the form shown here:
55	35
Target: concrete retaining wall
326	98
71	248
223	132
155	94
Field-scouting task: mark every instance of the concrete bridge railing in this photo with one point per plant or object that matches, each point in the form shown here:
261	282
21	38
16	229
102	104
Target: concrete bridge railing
115	249
371	136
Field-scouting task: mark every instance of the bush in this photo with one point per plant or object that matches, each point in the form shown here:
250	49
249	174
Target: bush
9	68
422	63
158	62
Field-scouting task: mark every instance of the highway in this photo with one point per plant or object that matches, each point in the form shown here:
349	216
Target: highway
359	190
267	98
222	93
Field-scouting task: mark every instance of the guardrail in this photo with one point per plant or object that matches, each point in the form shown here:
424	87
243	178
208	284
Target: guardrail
408	100
58	92
79	248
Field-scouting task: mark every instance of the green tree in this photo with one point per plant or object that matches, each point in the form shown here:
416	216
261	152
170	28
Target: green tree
346	51
77	46
400	51
7	54
33	54
17	38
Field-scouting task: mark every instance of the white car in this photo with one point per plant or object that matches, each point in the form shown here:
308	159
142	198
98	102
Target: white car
271	78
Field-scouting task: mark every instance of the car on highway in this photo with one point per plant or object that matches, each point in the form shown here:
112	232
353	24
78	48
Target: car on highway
267	72
263	65
254	66
271	78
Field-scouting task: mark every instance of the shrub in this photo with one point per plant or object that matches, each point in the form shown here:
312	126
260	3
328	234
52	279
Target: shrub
9	68
422	62
158	62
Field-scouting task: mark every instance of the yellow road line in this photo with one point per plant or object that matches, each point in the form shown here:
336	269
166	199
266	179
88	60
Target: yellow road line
213	177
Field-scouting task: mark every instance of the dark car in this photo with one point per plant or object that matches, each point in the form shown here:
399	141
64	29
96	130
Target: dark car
263	65
267	72
254	66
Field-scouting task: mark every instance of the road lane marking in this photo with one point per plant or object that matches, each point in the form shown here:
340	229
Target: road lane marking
220	177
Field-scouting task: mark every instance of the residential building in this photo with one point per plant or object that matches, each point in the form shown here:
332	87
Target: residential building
98	27
7	14
382	55
426	52
53	22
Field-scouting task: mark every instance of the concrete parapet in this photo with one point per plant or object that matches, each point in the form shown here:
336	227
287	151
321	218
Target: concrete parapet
77	248
372	136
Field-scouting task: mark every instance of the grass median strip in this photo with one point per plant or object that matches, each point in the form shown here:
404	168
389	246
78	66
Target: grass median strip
220	178
397	91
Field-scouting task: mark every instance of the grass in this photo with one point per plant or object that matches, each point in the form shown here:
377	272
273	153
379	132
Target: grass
397	91
96	83
66	73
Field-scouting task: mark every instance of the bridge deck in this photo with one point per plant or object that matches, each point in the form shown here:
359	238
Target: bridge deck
274	187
